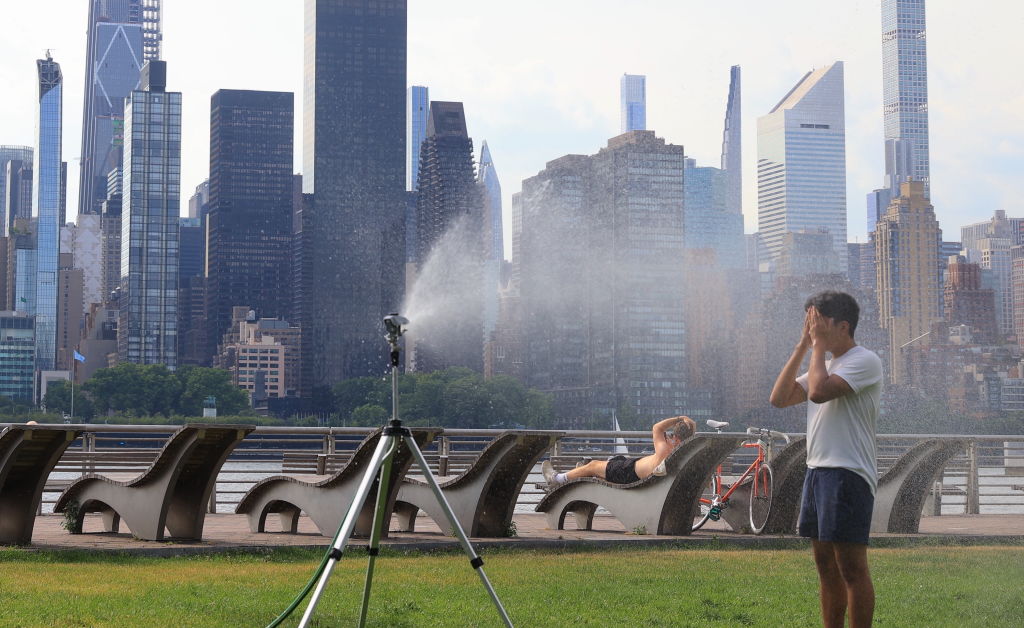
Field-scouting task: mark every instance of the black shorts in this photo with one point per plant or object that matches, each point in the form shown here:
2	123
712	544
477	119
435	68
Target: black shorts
837	506
621	470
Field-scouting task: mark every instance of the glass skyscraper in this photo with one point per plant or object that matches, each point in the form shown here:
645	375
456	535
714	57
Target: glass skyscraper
418	104
732	149
632	103
801	163
905	84
249	224
148	302
21	156
122	35
46	193
494	252
354	165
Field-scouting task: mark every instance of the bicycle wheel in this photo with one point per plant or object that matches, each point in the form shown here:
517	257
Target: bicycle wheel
761	499
703	512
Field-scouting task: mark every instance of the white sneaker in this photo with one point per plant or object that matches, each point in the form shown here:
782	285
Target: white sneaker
660	469
549	472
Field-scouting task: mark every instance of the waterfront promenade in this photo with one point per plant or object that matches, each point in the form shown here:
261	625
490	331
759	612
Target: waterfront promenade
229	532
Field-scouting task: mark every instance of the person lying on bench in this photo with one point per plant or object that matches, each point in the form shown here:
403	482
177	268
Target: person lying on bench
667	435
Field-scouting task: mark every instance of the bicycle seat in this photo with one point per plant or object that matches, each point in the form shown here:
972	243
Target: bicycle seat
717	425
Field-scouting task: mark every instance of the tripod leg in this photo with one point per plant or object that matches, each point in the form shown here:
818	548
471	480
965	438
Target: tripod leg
474	560
378	524
348	524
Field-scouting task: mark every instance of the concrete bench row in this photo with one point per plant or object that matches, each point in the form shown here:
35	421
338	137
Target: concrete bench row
169	499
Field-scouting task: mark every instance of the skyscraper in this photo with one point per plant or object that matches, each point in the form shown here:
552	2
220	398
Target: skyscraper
450	216
905	84
906	247
148	303
354	165
17	199
122	35
608	338
46	194
249	231
632	103
732	149
710	224
21	156
418	109
494	244
801	162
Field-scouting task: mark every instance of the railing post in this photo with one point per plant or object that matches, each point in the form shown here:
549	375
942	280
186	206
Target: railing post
321	464
972	478
212	505
442	458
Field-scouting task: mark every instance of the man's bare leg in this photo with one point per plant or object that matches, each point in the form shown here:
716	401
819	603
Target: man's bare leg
833	588
852	561
593	469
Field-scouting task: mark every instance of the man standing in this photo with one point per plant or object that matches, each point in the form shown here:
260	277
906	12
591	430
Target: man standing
839	489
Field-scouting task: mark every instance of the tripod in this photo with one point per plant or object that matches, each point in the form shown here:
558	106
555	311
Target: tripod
393	436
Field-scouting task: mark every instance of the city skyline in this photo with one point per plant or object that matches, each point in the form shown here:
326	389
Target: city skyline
536	110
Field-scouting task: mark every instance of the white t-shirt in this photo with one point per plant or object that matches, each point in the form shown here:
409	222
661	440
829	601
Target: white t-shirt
841	432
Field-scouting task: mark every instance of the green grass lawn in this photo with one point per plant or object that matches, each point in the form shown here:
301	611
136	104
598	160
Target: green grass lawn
625	587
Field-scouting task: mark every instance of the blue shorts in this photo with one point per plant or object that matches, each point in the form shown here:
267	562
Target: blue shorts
837	505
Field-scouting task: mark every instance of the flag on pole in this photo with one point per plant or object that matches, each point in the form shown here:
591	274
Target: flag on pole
79	356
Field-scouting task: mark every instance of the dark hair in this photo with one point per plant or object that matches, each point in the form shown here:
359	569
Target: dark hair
838	306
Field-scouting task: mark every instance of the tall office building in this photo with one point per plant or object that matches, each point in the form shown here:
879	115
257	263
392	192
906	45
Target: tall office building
199	202
494	243
966	302
999	226
450	219
905	87
46	193
147	323
801	162
119	40
632	103
18	348
354	165
710	223
608	339
906	247
249	228
732	149
19	156
417	110
82	240
17	199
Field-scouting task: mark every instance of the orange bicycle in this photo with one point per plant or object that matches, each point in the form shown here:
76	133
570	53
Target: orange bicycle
715	496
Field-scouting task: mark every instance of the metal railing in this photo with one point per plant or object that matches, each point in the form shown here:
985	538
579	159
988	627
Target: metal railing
987	478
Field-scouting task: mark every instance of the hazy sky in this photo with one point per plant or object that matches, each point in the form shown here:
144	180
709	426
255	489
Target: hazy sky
539	79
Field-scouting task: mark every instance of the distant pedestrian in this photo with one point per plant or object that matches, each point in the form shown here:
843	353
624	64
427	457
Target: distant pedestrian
839	489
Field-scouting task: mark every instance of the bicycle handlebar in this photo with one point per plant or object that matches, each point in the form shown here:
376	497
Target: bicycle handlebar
759	431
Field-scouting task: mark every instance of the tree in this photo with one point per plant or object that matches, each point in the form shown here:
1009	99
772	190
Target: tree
135	389
198	383
58	399
369	415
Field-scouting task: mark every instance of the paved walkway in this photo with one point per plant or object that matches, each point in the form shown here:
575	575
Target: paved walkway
231	532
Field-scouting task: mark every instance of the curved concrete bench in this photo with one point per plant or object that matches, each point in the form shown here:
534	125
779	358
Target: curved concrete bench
27	455
901	492
789	467
172	493
658	504
483	498
326	498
